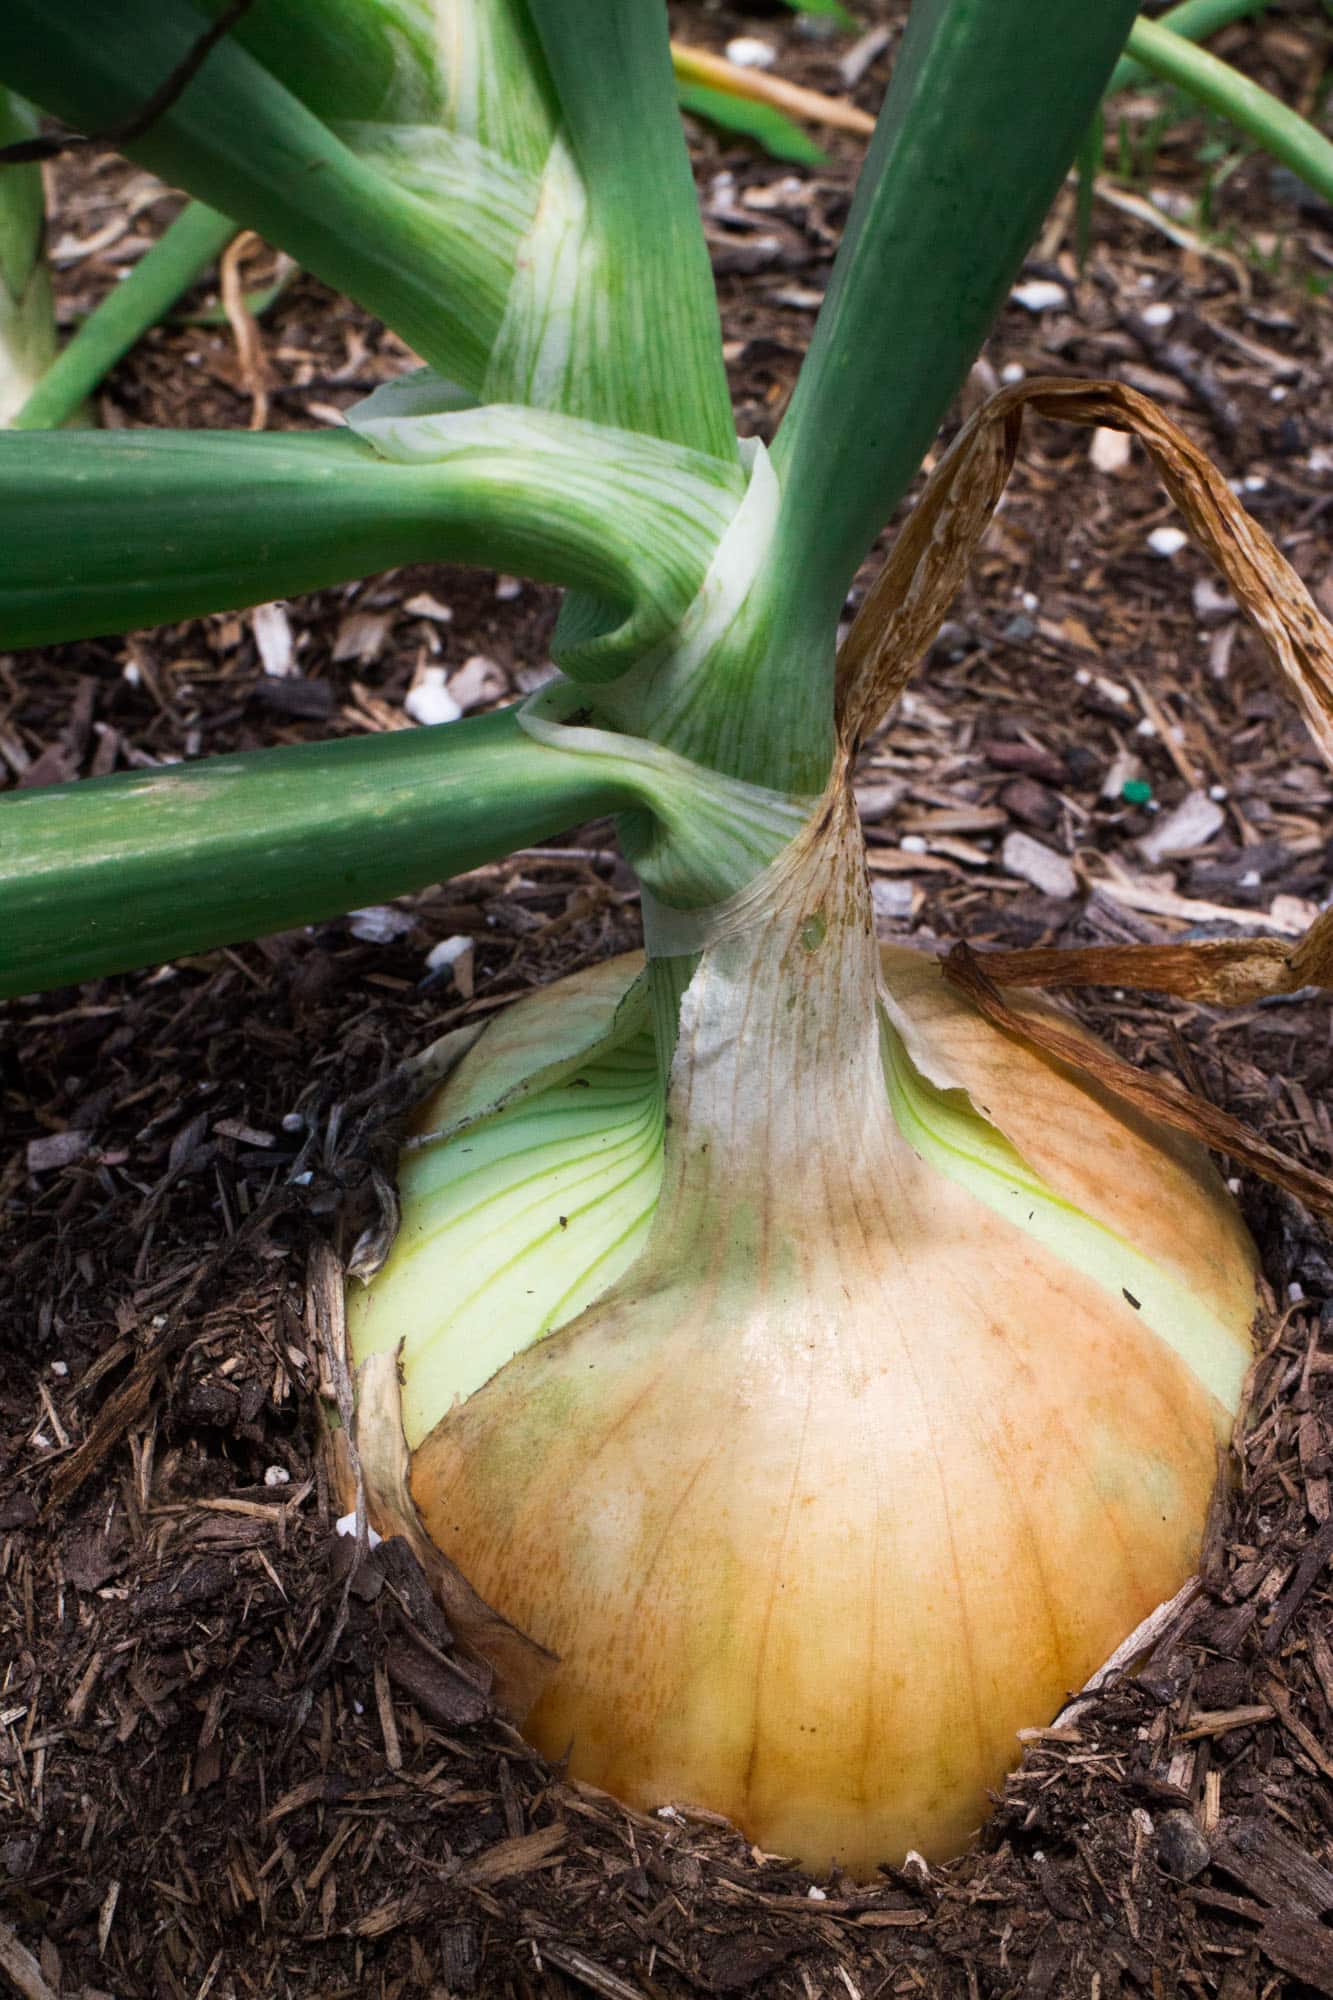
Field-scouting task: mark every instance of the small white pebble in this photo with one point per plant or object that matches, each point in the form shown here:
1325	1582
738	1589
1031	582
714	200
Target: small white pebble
302	1180
292	1121
1233	1184
1295	1292
913	843
1254	482
454	955
507	588
130	672
1030	601
277	1475
346	1525
380	923
748	52
1158	314
1277	394
1012	371
1167	541
816	1894
478	679
428	700
60	1368
273	638
1110	450
447	952
423	605
1038	295
1251	879
1145	728
1218	792
1083	677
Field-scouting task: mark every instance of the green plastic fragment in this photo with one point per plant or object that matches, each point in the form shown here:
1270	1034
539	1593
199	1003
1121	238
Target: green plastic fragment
1136	791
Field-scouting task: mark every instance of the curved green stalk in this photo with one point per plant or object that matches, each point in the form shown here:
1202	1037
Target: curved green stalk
112	873
662	369
437	270
1195	20
27	313
1281	131
183	252
983	116
111	532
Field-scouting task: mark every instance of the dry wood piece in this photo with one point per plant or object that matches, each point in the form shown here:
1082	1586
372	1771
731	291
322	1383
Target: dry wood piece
588	1973
518	1856
1308	1569
18	1964
1271	1866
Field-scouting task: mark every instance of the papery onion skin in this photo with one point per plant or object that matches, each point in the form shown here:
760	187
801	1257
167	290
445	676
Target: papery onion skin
847	1478
814	1573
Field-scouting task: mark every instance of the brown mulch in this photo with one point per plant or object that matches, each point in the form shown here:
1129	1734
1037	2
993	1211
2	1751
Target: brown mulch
236	1759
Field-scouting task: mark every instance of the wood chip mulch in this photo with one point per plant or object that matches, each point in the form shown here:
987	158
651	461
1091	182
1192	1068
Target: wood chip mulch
239	1757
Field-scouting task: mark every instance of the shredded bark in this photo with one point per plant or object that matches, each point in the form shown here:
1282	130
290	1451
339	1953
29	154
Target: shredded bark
251	1791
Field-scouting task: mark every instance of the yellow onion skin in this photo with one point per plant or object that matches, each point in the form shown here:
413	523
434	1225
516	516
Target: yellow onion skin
848	1478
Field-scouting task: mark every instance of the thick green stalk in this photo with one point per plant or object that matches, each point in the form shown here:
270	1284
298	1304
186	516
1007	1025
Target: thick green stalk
985	111
646	261
1195	20
1281	131
111	532
27	315
183	252
116	872
125	871
239	140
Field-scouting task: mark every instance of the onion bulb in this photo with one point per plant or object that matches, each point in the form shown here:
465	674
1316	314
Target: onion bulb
833	1427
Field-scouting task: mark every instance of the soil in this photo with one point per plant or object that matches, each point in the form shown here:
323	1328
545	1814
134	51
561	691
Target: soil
235	1759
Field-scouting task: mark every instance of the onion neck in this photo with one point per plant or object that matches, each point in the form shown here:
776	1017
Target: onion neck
777	1067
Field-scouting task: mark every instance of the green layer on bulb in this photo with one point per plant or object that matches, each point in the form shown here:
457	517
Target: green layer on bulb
535	1195
512	1226
945	1129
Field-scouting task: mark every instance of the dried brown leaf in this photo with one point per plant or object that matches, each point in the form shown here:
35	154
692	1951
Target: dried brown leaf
521	1667
926	565
1217	972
